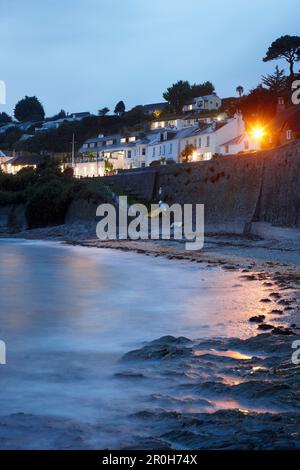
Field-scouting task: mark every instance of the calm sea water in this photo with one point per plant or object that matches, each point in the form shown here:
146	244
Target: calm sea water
68	314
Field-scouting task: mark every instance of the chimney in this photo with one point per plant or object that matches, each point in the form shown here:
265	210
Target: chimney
280	105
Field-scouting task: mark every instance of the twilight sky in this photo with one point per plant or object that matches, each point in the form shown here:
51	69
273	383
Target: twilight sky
82	55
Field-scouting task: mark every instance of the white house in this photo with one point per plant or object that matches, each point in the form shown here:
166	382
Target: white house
186	120
164	123
135	150
239	144
224	137
89	169
203	103
122	151
166	145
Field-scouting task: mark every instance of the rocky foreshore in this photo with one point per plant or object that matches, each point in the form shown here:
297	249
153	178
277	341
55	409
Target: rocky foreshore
221	393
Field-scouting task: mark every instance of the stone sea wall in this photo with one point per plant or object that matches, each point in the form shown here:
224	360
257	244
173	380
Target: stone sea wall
239	192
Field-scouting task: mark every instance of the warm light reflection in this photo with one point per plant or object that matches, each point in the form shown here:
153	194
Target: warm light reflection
232	354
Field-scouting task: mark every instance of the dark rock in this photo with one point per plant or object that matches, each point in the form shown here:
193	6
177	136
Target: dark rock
257	319
265	326
282	331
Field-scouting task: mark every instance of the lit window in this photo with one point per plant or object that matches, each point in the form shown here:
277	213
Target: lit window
289	135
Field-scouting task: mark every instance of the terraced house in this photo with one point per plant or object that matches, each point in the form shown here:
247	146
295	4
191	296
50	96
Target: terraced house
164	143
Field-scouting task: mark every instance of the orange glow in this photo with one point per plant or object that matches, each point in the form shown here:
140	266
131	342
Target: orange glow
195	156
258	132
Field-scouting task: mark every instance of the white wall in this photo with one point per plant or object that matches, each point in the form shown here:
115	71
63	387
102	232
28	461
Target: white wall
89	169
168	149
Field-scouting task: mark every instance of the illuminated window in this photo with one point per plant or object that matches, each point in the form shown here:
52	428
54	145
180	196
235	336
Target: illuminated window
132	139
289	135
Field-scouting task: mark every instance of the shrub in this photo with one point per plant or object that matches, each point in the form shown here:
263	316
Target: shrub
48	203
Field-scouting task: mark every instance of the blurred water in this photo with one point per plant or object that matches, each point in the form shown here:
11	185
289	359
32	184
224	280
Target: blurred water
67	314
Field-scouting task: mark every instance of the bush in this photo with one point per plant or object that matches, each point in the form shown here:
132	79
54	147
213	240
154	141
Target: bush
48	204
9	197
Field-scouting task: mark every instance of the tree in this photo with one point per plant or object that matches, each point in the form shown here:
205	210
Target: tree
120	108
103	111
178	94
276	82
181	91
258	105
240	90
5	118
187	153
11	136
29	109
135	116
202	89
109	168
286	47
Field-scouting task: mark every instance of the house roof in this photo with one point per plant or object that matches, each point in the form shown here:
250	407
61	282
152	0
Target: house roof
290	118
26	160
237	140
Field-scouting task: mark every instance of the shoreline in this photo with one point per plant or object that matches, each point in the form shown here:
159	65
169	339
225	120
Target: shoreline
229	252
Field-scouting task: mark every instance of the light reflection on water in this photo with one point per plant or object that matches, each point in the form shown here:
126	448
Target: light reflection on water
67	315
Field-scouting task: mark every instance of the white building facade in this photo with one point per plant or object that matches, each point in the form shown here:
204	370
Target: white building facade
203	103
164	144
